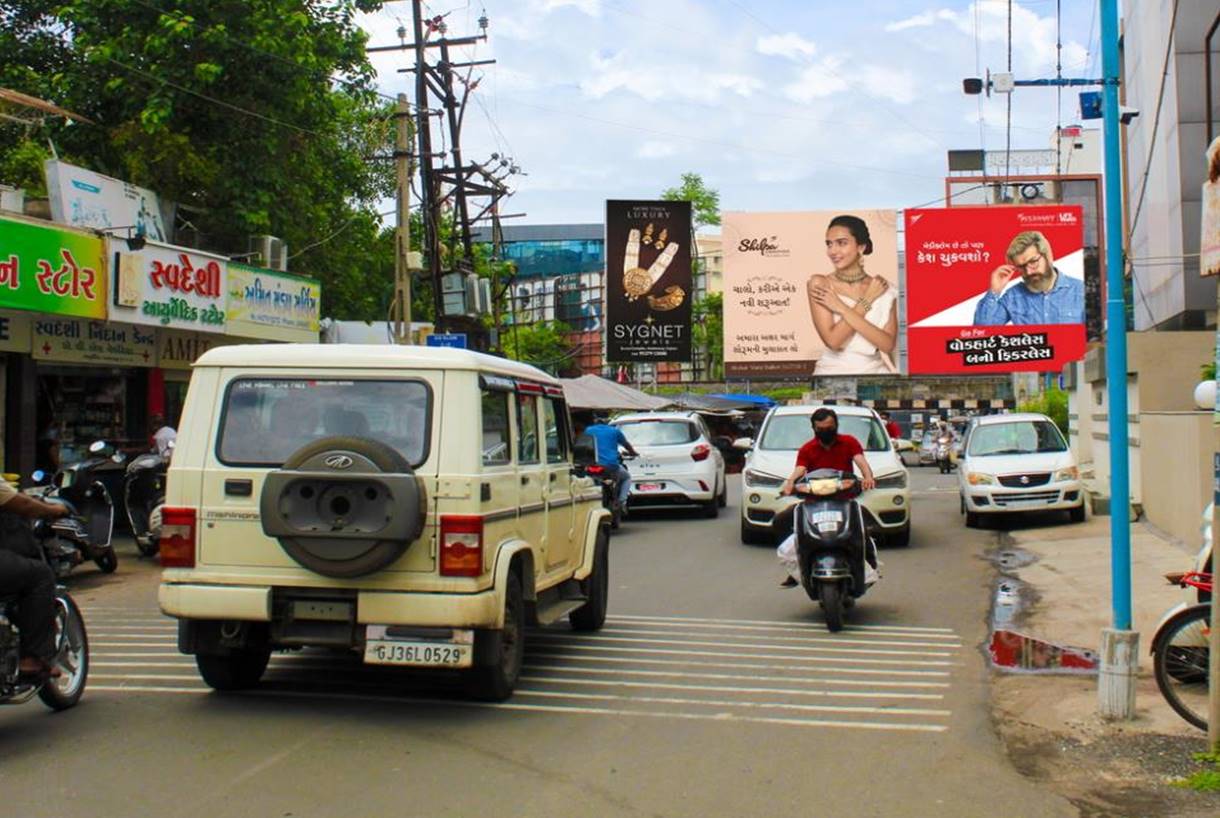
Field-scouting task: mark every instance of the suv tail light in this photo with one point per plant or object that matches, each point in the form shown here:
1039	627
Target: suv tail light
461	545
177	546
701	452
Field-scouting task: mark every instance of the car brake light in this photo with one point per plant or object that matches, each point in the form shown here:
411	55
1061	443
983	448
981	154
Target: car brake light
461	545
700	452
177	545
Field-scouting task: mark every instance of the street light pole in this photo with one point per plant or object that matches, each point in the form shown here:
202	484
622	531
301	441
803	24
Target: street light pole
1119	643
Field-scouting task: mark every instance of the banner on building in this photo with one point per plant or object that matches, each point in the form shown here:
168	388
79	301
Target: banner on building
15	332
51	269
273	305
648	281
995	289
1209	238
78	341
811	293
83	198
165	286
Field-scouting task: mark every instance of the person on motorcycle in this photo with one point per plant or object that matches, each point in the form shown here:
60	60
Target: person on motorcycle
29	579
608	439
162	434
826	450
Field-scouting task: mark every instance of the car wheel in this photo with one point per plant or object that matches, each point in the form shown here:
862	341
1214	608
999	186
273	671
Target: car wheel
1076	515
494	682
972	519
592	615
900	538
233	671
752	536
723	499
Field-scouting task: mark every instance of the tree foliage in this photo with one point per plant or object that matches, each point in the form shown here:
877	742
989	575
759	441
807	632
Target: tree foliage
705	202
708	333
544	344
256	117
1053	403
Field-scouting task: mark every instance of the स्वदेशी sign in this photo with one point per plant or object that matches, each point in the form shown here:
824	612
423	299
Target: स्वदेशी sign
273	305
995	289
166	286
51	270
648	281
79	341
811	293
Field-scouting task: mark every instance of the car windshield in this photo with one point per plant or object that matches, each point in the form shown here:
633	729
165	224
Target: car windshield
267	419
658	432
790	432
1016	437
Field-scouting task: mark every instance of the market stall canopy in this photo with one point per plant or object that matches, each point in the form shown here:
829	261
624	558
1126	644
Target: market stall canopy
748	401
594	392
710	403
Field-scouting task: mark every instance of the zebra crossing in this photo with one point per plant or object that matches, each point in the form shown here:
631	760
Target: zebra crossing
867	677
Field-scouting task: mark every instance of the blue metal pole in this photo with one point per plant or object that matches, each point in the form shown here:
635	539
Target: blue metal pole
1116	330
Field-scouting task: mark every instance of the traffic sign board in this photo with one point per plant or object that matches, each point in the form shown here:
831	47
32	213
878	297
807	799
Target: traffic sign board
447	339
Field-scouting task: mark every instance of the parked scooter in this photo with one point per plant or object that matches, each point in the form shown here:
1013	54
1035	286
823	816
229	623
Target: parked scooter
144	497
832	541
87	532
944	453
71	647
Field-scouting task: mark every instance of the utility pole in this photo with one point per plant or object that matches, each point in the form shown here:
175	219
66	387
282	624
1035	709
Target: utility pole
402	235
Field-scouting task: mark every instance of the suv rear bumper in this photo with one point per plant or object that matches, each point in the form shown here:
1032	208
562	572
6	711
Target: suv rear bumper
253	604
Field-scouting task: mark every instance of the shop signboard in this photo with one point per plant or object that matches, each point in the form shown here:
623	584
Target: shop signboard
79	341
811	293
172	287
51	270
14	332
995	289
273	305
179	349
86	199
648	286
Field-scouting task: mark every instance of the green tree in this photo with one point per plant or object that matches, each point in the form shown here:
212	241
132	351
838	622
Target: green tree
705	202
1053	403
255	117
708	333
544	344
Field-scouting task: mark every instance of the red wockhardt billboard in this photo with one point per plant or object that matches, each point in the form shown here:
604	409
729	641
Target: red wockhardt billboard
994	289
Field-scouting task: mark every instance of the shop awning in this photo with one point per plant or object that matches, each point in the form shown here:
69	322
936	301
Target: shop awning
709	403
748	401
594	392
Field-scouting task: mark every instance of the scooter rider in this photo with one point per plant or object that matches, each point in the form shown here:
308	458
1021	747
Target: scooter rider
827	450
30	579
608	439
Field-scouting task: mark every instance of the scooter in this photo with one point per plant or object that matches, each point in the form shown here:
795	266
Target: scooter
87	532
144	497
71	648
587	466
832	542
944	454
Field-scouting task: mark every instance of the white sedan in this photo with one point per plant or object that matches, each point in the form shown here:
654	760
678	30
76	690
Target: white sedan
678	465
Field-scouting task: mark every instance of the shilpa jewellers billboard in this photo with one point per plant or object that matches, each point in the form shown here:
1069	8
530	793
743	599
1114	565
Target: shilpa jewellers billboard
648	281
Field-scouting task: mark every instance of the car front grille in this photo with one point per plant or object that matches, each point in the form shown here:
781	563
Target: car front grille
762	517
1025	498
1022	481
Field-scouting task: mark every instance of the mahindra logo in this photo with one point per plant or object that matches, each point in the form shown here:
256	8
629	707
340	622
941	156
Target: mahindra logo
339	461
762	246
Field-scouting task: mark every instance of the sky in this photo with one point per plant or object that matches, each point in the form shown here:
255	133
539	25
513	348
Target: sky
777	104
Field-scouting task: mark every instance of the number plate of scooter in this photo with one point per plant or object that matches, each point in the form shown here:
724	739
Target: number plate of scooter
827	520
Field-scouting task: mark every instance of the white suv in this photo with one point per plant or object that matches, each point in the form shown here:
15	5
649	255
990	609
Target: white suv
414	505
678	464
1018	463
772	457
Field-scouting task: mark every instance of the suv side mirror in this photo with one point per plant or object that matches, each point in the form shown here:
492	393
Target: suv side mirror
743	443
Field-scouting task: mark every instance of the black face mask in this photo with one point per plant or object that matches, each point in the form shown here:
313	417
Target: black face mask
827	436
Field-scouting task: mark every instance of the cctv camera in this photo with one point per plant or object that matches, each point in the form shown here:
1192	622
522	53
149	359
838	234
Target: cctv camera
972	86
1125	114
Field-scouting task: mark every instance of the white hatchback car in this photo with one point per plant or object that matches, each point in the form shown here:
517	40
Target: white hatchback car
678	465
772	456
1018	463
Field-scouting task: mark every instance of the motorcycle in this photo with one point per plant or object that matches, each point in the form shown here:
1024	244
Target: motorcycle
832	542
87	532
71	647
587	466
944	454
144	497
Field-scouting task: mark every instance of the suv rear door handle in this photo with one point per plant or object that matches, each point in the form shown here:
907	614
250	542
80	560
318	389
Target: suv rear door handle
525	479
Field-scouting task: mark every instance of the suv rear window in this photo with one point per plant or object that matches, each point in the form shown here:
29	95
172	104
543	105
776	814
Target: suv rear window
659	432
265	420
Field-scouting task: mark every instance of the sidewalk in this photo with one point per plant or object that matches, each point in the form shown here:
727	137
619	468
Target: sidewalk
1050	722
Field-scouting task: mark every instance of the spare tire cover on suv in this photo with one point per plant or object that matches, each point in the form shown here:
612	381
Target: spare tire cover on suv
344	506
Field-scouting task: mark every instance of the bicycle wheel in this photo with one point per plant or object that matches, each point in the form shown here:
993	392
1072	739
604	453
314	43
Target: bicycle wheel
1179	660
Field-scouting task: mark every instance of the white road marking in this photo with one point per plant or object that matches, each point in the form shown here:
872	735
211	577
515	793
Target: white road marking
597	639
786	625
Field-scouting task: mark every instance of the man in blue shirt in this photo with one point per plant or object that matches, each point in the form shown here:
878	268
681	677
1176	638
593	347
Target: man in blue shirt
1044	296
608	439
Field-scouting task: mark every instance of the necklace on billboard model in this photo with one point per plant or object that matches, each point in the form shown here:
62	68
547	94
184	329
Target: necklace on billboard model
851	279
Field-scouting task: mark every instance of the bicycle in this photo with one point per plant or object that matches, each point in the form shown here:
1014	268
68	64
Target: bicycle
1180	654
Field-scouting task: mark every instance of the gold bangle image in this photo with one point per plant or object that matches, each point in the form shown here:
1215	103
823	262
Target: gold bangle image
673	298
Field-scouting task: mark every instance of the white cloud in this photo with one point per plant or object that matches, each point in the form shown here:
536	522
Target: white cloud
923	20
654	149
896	85
791	45
817	81
1033	36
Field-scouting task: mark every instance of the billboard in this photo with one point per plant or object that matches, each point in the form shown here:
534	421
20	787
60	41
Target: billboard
86	199
51	269
273	305
167	286
648	281
995	289
811	293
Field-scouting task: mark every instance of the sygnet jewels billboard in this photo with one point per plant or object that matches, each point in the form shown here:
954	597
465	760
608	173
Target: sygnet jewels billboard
994	289
648	281
810	293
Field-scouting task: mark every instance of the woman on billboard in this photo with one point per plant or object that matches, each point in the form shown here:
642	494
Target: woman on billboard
855	314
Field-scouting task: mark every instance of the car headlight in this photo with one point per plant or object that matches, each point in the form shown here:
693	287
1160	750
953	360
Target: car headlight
897	480
1070	473
977	478
760	479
